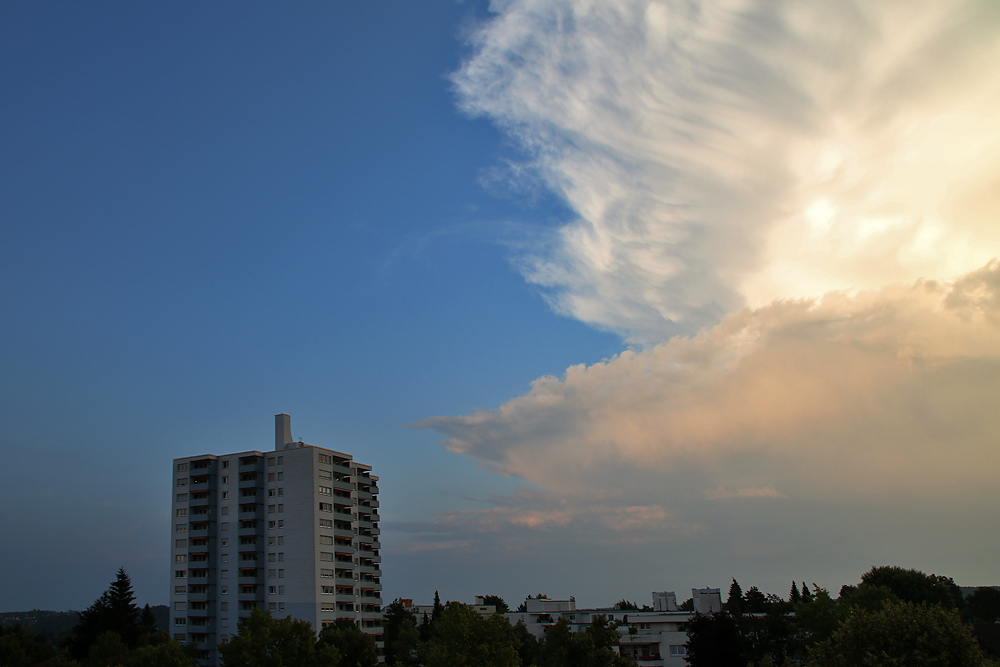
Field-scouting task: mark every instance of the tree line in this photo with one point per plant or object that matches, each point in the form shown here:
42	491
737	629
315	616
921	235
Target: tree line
894	616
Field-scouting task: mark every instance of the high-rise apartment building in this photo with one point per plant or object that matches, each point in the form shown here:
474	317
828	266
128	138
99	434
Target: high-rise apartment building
294	531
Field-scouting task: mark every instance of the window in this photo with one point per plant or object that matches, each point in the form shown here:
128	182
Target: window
281	459
180	606
225	541
182	497
326	573
180	574
326	539
324	458
281	491
180	544
270	476
180	590
326	555
281	573
180	620
225	558
225	526
272	590
270	493
327	606
326	507
225	464
281	508
270	541
224	590
271	525
181	467
281	476
281	591
271	557
328	590
272	606
180	638
270	509
180	558
281	523
224	623
182	528
182	481
271	574
678	649
281	606
225	510
326	523
281	556
325	491
281	540
270	460
225	495
225	479
224	606
225	574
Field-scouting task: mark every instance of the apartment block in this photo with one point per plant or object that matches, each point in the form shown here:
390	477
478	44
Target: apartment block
293	531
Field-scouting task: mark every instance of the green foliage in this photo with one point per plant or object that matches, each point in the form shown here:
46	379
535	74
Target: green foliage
714	641
871	598
734	603
115	611
462	638
901	634
527	644
163	654
497	602
356	647
794	595
398	647
687	605
263	641
626	605
19	646
983	606
818	618
754	602
915	586
107	651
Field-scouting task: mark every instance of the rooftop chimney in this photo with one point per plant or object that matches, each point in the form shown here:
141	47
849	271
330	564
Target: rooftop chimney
282	430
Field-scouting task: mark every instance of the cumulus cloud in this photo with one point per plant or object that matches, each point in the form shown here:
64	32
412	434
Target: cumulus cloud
725	154
888	391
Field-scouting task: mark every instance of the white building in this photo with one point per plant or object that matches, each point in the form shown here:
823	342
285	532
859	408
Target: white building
294	531
654	638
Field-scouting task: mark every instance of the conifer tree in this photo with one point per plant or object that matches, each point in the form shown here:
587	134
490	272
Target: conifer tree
806	595
115	611
733	604
794	595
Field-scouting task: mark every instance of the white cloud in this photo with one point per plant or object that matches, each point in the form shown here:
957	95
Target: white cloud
890	391
730	153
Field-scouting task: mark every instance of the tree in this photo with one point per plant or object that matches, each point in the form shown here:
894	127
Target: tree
527	644
262	641
819	617
395	615
164	654
462	638
625	605
438	608
734	603
794	595
806	595
901	634
714	641
497	602
108	651
867	597
984	605
356	648
754	602
915	586
115	611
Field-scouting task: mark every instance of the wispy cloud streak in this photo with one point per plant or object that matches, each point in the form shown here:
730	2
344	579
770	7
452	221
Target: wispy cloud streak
729	153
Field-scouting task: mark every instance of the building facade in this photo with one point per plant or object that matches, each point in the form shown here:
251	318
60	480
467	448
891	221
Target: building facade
654	638
293	531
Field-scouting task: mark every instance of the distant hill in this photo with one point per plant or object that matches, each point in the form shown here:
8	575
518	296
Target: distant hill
52	623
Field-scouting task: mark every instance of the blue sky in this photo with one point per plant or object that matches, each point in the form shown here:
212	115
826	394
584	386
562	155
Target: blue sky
690	291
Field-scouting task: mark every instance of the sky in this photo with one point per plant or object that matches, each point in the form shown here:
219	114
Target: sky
614	296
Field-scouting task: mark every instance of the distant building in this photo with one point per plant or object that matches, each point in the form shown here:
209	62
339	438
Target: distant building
293	531
655	638
418	610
